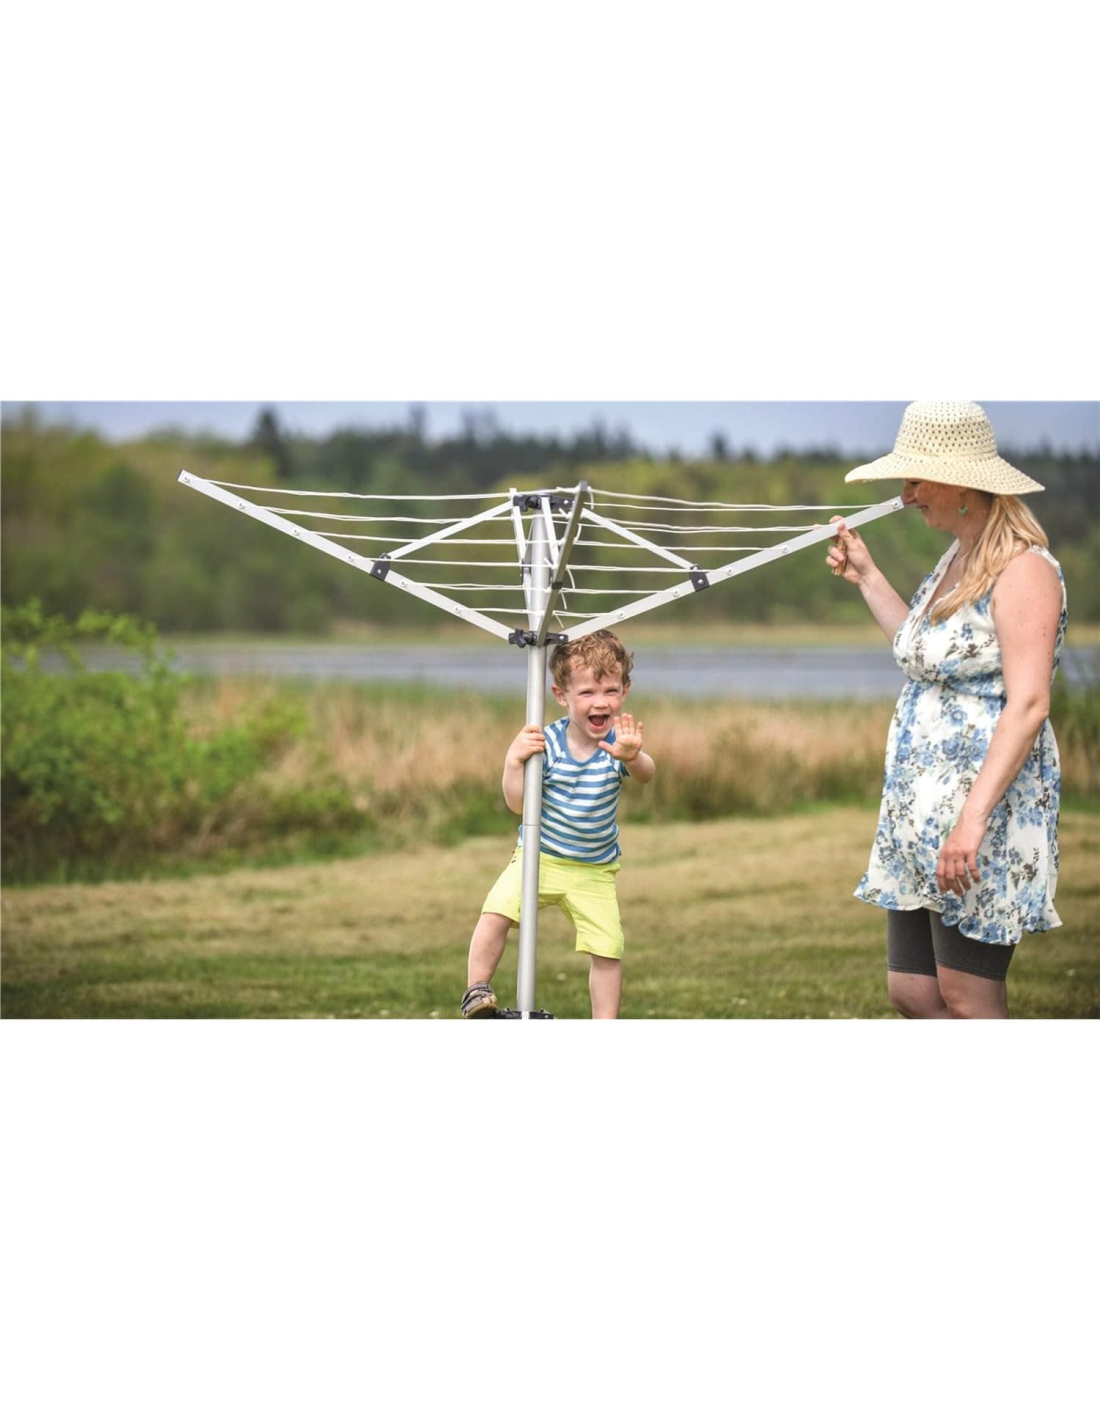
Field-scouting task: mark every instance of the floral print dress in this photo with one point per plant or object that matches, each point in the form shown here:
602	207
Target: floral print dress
939	737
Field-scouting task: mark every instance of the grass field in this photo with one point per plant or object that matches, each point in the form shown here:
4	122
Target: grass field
732	918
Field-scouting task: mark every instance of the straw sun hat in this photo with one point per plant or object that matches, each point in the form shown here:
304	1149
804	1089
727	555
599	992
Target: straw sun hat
947	442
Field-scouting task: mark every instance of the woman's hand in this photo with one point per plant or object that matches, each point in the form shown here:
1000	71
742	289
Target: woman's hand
957	866
848	556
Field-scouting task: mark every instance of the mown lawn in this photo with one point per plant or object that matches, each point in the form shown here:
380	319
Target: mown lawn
731	918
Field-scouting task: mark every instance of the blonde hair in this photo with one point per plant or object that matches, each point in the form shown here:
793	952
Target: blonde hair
1010	529
601	653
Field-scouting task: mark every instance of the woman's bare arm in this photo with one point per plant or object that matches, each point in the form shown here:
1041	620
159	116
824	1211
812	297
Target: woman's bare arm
851	559
1027	606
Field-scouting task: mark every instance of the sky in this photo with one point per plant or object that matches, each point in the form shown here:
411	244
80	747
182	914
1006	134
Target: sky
853	427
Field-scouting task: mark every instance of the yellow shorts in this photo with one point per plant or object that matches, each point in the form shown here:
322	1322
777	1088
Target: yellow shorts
585	893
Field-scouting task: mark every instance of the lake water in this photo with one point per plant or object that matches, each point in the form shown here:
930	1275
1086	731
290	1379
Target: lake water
745	673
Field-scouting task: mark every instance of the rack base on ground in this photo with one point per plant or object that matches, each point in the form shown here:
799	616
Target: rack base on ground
514	1012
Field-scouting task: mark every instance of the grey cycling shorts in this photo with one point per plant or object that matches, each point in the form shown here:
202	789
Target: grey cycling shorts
918	941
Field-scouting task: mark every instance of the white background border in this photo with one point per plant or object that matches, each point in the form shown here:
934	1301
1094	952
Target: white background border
490	203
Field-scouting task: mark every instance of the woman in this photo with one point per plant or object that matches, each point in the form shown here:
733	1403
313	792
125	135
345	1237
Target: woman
965	859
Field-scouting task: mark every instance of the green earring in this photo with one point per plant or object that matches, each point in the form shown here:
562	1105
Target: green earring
964	509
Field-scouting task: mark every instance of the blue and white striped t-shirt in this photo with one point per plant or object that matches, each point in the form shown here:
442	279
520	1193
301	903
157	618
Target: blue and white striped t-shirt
579	800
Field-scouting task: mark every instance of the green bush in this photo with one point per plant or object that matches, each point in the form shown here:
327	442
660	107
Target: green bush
101	772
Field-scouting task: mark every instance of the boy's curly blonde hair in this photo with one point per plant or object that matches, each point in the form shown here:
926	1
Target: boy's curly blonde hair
601	653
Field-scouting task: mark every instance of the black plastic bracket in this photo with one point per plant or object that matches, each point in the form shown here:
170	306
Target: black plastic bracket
699	579
559	503
514	1012
520	638
381	567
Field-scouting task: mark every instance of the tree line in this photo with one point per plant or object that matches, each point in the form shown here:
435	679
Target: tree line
87	523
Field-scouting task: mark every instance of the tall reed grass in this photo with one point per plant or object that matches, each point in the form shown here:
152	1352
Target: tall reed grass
108	774
415	762
417	759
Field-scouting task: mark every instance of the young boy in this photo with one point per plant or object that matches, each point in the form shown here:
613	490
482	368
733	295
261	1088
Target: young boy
585	757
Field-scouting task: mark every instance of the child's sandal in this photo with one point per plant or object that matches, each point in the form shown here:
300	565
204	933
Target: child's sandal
480	1001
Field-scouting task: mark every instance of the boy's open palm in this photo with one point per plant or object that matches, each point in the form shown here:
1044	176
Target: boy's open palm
628	739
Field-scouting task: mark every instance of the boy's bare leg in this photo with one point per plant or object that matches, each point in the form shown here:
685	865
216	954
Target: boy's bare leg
605	985
487	947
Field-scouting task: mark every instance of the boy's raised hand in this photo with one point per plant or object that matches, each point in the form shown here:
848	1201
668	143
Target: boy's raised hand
529	742
628	739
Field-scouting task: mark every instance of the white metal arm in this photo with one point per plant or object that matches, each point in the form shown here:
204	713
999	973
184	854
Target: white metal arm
380	568
742	565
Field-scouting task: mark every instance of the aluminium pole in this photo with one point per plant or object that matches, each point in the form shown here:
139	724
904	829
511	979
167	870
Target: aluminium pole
532	773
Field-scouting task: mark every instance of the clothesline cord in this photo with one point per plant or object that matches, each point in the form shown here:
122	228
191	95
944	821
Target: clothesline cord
346	494
522	612
510	587
710	504
627	501
580	543
572	568
640	524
